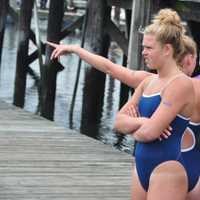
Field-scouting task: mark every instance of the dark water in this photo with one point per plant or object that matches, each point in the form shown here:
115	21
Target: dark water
65	86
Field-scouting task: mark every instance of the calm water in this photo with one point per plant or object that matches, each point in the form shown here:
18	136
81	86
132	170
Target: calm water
65	86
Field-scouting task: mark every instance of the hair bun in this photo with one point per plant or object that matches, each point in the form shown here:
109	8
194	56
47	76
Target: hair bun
169	17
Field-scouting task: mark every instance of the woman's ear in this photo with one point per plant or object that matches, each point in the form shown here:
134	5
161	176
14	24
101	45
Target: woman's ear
168	50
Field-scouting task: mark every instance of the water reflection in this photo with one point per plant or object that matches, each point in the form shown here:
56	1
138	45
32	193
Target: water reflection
99	126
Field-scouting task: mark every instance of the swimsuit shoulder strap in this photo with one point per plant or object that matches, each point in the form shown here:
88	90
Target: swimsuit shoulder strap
169	81
151	81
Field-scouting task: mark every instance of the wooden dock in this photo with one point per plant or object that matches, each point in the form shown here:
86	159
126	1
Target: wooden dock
41	160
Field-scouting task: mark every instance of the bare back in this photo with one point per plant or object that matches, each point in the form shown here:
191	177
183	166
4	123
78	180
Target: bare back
196	111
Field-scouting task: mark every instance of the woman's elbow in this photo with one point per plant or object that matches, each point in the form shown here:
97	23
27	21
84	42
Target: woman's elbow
120	123
144	136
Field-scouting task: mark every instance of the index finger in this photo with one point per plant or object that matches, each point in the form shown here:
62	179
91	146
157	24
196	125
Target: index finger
52	44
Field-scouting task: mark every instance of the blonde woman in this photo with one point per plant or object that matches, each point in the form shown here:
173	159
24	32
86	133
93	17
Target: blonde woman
163	99
133	78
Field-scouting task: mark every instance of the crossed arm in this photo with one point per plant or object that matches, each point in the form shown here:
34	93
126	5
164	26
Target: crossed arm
175	100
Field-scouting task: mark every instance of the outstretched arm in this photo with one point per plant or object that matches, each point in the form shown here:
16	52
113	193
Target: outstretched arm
132	78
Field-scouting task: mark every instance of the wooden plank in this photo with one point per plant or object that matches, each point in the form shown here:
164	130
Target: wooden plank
70	28
41	160
117	36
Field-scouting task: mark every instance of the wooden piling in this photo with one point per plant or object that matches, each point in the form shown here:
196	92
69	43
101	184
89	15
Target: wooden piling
124	89
49	73
3	14
22	52
97	41
140	18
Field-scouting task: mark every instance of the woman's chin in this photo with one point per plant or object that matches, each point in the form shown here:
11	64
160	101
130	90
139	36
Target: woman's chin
150	67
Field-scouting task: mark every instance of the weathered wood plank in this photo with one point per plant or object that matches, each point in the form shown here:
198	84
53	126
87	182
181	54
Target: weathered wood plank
41	160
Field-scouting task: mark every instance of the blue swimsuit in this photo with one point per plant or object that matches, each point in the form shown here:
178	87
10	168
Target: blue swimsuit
197	77
191	156
151	154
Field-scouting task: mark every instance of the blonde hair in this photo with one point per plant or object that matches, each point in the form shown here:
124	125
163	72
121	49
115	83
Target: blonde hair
190	47
168	29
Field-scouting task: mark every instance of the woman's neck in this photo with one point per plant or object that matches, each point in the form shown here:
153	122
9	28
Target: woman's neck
168	69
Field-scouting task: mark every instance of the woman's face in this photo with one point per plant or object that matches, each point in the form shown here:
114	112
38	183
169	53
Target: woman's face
188	64
152	51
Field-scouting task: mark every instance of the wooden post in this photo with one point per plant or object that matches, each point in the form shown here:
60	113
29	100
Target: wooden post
140	18
37	36
124	89
117	15
49	72
22	52
97	41
4	4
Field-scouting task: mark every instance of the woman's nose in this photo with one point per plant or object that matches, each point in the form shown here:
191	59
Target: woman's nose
144	52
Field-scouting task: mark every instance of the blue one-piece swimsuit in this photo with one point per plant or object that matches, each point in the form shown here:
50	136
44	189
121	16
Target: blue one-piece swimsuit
191	156
151	154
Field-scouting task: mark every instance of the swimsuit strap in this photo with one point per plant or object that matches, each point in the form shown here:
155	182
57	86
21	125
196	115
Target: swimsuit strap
165	86
151	81
169	81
